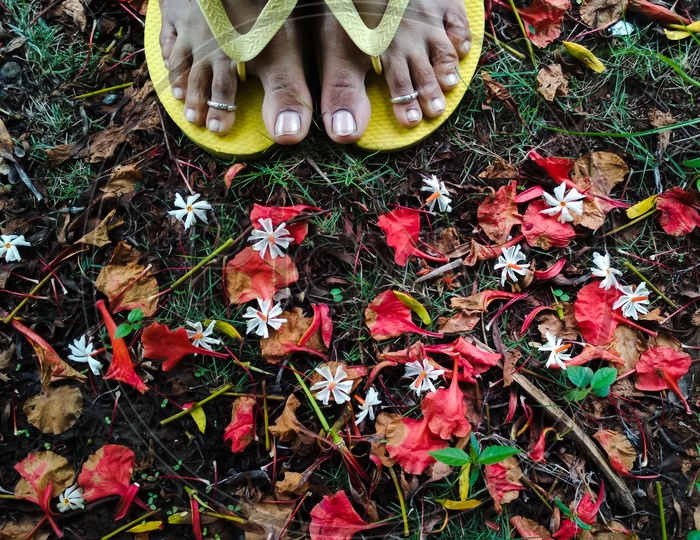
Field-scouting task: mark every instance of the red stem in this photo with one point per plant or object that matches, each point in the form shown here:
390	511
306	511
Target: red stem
622	320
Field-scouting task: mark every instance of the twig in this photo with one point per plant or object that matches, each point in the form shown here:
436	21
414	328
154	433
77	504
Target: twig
104	91
508	48
660	498
637	273
635	220
402	503
197	405
522	29
38	286
130	524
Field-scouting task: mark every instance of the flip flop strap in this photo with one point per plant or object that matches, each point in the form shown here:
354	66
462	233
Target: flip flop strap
371	41
245	47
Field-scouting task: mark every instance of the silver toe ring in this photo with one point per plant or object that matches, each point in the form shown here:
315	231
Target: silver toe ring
404	99
221	106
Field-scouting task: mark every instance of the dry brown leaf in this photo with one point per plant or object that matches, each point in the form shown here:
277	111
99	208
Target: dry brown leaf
600	13
510	359
6	355
128	287
287	425
45	467
75	10
123	179
529	529
550	322
600	171
695	319
495	90
377	447
98	237
696	517
660	119
281	342
461	322
354	373
265	519
448	240
63	152
630	345
293	484
124	254
500	169
13	530
55	410
552	82
619	449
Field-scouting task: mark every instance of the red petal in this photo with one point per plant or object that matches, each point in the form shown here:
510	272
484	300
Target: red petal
410	442
446	411
587	509
658	13
241	429
595	352
552	271
498	213
531	317
321	320
501	481
679	214
545	231
388	317
401	228
231	173
196	522
282	214
659	368
334	518
107	472
471	358
249	276
121	369
558	168
529	194
543	20
594	313
161	343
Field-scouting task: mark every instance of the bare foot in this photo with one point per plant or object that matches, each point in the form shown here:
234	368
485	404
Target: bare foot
200	71
423	57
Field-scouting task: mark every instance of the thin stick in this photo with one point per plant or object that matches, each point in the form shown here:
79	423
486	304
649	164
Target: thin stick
508	48
522	29
637	273
635	220
104	91
197	405
266	417
129	525
402	503
38	286
660	498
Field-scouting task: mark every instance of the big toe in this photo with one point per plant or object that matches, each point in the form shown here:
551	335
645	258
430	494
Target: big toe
344	102
287	109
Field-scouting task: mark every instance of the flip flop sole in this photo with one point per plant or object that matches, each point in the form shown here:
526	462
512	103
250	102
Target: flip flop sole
247	140
384	133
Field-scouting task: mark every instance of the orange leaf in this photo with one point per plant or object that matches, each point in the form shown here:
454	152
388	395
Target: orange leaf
409	441
249	276
161	343
498	213
529	529
659	368
387	317
679	211
128	287
401	228
241	429
334	518
503	481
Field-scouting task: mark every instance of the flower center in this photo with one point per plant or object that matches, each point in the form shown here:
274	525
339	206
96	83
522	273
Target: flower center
421	377
562	204
432	197
515	266
562	348
331	386
66	501
639	298
200	335
262	316
189	208
8	245
271	239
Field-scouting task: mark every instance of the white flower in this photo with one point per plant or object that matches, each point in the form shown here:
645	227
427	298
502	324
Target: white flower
333	384
510	262
633	300
191	209
264	316
201	337
82	351
274	239
563	204
438	194
8	246
423	373
366	408
605	271
71	499
556	351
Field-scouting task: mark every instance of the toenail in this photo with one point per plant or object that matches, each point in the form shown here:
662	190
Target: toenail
178	92
413	115
288	123
438	105
190	114
451	79
343	123
465	47
166	64
214	125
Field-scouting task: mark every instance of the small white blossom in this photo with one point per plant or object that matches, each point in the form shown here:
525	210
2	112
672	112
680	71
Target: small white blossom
201	337
562	204
337	385
8	246
556	351
438	193
424	374
366	408
71	499
82	351
269	238
605	271
633	301
191	209
510	262
266	315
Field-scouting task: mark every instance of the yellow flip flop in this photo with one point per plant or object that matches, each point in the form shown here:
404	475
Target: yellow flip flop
384	133
249	138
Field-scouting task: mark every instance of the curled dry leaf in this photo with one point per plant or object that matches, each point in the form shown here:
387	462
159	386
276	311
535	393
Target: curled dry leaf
402	227
293	483
12	530
266	519
500	169
286	340
544	231
679	211
619	449
529	529
408	442
389	316
565	328
123	179
498	213
249	276
75	10
503	481
55	410
51	367
241	429
161	343
129	287
602	13
552	82
659	119
495	90
334	518
98	237
287	427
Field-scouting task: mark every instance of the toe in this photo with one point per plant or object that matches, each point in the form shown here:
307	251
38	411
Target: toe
168	36
179	63
445	62
344	103
198	91
223	90
430	96
398	79
287	108
457	29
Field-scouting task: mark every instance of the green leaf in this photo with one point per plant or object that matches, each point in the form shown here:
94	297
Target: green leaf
135	315
579	376
602	392
564	297
474	448
473	477
564	509
692	163
581	524
603	378
577	395
694	535
558	292
123	330
454	457
496	454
